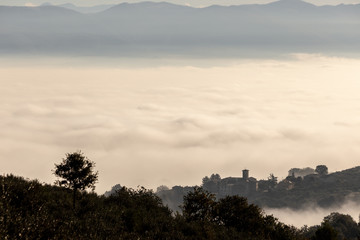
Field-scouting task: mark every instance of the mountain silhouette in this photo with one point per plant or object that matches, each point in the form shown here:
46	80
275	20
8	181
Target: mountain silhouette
149	28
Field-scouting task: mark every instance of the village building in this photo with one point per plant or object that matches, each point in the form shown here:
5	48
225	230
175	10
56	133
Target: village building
243	186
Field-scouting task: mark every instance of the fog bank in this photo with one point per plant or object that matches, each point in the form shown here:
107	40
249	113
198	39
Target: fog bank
173	125
313	215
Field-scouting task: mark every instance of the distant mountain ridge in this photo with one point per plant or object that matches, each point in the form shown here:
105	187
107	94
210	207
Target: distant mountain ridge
81	9
41	11
148	29
92	9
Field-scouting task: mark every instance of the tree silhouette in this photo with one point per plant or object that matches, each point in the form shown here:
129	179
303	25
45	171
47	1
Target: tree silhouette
344	224
234	211
76	172
325	232
198	205
272	180
215	177
321	169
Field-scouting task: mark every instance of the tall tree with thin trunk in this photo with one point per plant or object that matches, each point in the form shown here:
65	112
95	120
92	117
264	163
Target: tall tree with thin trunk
76	172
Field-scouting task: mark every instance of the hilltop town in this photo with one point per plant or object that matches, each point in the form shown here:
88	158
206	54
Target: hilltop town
302	187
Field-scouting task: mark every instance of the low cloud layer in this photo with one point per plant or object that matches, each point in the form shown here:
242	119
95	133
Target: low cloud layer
313	215
173	125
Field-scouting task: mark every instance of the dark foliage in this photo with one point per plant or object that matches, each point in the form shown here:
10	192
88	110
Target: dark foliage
321	169
325	232
31	210
335	226
344	225
233	218
198	205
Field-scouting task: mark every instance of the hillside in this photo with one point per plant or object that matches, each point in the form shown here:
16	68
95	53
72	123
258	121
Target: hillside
325	191
329	190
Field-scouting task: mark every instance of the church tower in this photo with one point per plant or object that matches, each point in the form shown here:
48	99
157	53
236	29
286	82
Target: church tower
245	174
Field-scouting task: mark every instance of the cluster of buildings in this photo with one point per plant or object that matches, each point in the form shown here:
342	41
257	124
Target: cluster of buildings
244	186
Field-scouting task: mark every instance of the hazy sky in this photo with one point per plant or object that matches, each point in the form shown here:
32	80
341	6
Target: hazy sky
173	125
194	3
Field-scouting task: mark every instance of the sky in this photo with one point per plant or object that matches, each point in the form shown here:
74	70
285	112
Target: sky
193	3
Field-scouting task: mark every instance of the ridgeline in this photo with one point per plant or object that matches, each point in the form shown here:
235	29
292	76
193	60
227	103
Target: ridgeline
301	188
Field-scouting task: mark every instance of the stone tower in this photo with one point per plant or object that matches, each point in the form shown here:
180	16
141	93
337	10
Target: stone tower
245	174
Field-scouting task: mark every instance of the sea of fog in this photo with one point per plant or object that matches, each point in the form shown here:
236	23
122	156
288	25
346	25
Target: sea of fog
152	123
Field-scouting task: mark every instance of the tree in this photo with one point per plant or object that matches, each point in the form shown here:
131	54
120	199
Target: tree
321	169
344	224
234	211
77	173
199	205
215	177
272	180
113	190
162	188
325	232
205	180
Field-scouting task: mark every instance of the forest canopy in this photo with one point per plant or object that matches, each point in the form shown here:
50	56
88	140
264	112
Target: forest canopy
33	210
